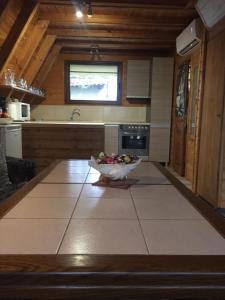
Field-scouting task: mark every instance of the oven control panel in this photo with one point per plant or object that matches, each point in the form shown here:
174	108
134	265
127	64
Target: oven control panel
130	127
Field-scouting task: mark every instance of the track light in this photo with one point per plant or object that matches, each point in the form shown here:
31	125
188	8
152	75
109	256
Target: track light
79	13
89	14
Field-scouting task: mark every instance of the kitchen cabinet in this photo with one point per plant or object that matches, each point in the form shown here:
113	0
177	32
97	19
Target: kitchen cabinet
160	113
44	143
138	79
111	139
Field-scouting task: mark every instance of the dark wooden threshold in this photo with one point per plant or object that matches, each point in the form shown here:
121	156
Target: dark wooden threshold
102	277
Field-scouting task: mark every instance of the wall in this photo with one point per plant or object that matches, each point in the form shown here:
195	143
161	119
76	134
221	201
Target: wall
211	155
54	108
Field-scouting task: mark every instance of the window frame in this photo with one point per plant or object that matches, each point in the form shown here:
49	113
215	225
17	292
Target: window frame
67	64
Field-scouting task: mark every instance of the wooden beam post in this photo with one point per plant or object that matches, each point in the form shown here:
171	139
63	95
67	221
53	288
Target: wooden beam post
2	6
47	65
38	58
25	16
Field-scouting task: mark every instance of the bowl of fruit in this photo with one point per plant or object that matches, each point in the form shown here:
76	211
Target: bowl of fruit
114	166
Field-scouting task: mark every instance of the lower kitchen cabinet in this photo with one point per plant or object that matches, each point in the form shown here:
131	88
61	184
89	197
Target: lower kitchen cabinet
44	144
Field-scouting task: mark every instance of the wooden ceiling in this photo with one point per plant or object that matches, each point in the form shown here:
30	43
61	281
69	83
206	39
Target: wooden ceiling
118	26
34	32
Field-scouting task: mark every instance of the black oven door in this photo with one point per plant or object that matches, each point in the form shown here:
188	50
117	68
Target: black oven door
134	142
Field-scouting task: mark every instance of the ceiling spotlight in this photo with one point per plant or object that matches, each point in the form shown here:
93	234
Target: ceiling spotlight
79	14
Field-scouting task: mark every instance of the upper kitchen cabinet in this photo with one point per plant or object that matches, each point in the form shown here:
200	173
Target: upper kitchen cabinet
138	79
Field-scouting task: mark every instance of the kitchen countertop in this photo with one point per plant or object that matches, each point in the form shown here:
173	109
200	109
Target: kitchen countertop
78	123
61	124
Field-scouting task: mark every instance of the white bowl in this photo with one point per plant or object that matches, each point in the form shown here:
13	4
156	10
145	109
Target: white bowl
113	171
6	120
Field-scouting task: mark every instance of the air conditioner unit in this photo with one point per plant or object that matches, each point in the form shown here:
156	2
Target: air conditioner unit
189	38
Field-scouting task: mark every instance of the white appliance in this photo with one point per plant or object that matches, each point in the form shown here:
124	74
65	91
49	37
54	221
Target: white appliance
11	138
19	111
211	12
134	140
189	38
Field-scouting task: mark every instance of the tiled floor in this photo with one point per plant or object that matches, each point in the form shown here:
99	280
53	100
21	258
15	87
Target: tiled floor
65	214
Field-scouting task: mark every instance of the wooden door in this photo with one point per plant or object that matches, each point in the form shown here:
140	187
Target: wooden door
192	110
211	126
180	118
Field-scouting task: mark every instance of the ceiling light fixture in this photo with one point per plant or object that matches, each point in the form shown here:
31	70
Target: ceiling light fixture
94	51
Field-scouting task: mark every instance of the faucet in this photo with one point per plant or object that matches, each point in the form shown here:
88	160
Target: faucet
75	111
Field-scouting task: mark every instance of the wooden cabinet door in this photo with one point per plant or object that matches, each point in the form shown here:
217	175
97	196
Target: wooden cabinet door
210	140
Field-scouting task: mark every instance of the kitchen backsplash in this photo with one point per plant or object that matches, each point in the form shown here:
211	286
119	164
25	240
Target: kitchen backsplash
89	113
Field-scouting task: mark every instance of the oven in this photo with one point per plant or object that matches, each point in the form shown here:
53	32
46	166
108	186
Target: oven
134	139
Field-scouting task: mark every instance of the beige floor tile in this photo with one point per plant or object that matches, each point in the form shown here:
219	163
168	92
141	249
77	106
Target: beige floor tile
104	192
147	173
92	177
65	178
182	237
102	208
147	169
153	191
156	207
149	180
56	190
71	169
26	236
74	163
50	208
103	237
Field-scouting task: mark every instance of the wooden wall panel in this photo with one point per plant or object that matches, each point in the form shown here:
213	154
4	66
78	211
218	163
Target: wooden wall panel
54	82
47	65
38	58
212	115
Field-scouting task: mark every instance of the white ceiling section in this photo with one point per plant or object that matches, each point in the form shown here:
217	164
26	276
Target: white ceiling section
211	11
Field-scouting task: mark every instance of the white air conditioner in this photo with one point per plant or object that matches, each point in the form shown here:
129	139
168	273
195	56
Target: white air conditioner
189	38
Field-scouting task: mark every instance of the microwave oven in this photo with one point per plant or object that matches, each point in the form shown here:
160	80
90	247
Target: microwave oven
19	111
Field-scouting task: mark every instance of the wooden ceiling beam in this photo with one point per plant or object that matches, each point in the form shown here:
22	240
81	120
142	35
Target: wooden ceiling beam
47	65
38	58
102	46
121	42
3	4
138	34
66	15
148	28
8	15
29	44
126	52
17	31
142	3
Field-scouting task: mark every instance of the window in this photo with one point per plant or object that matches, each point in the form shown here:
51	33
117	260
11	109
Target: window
92	83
